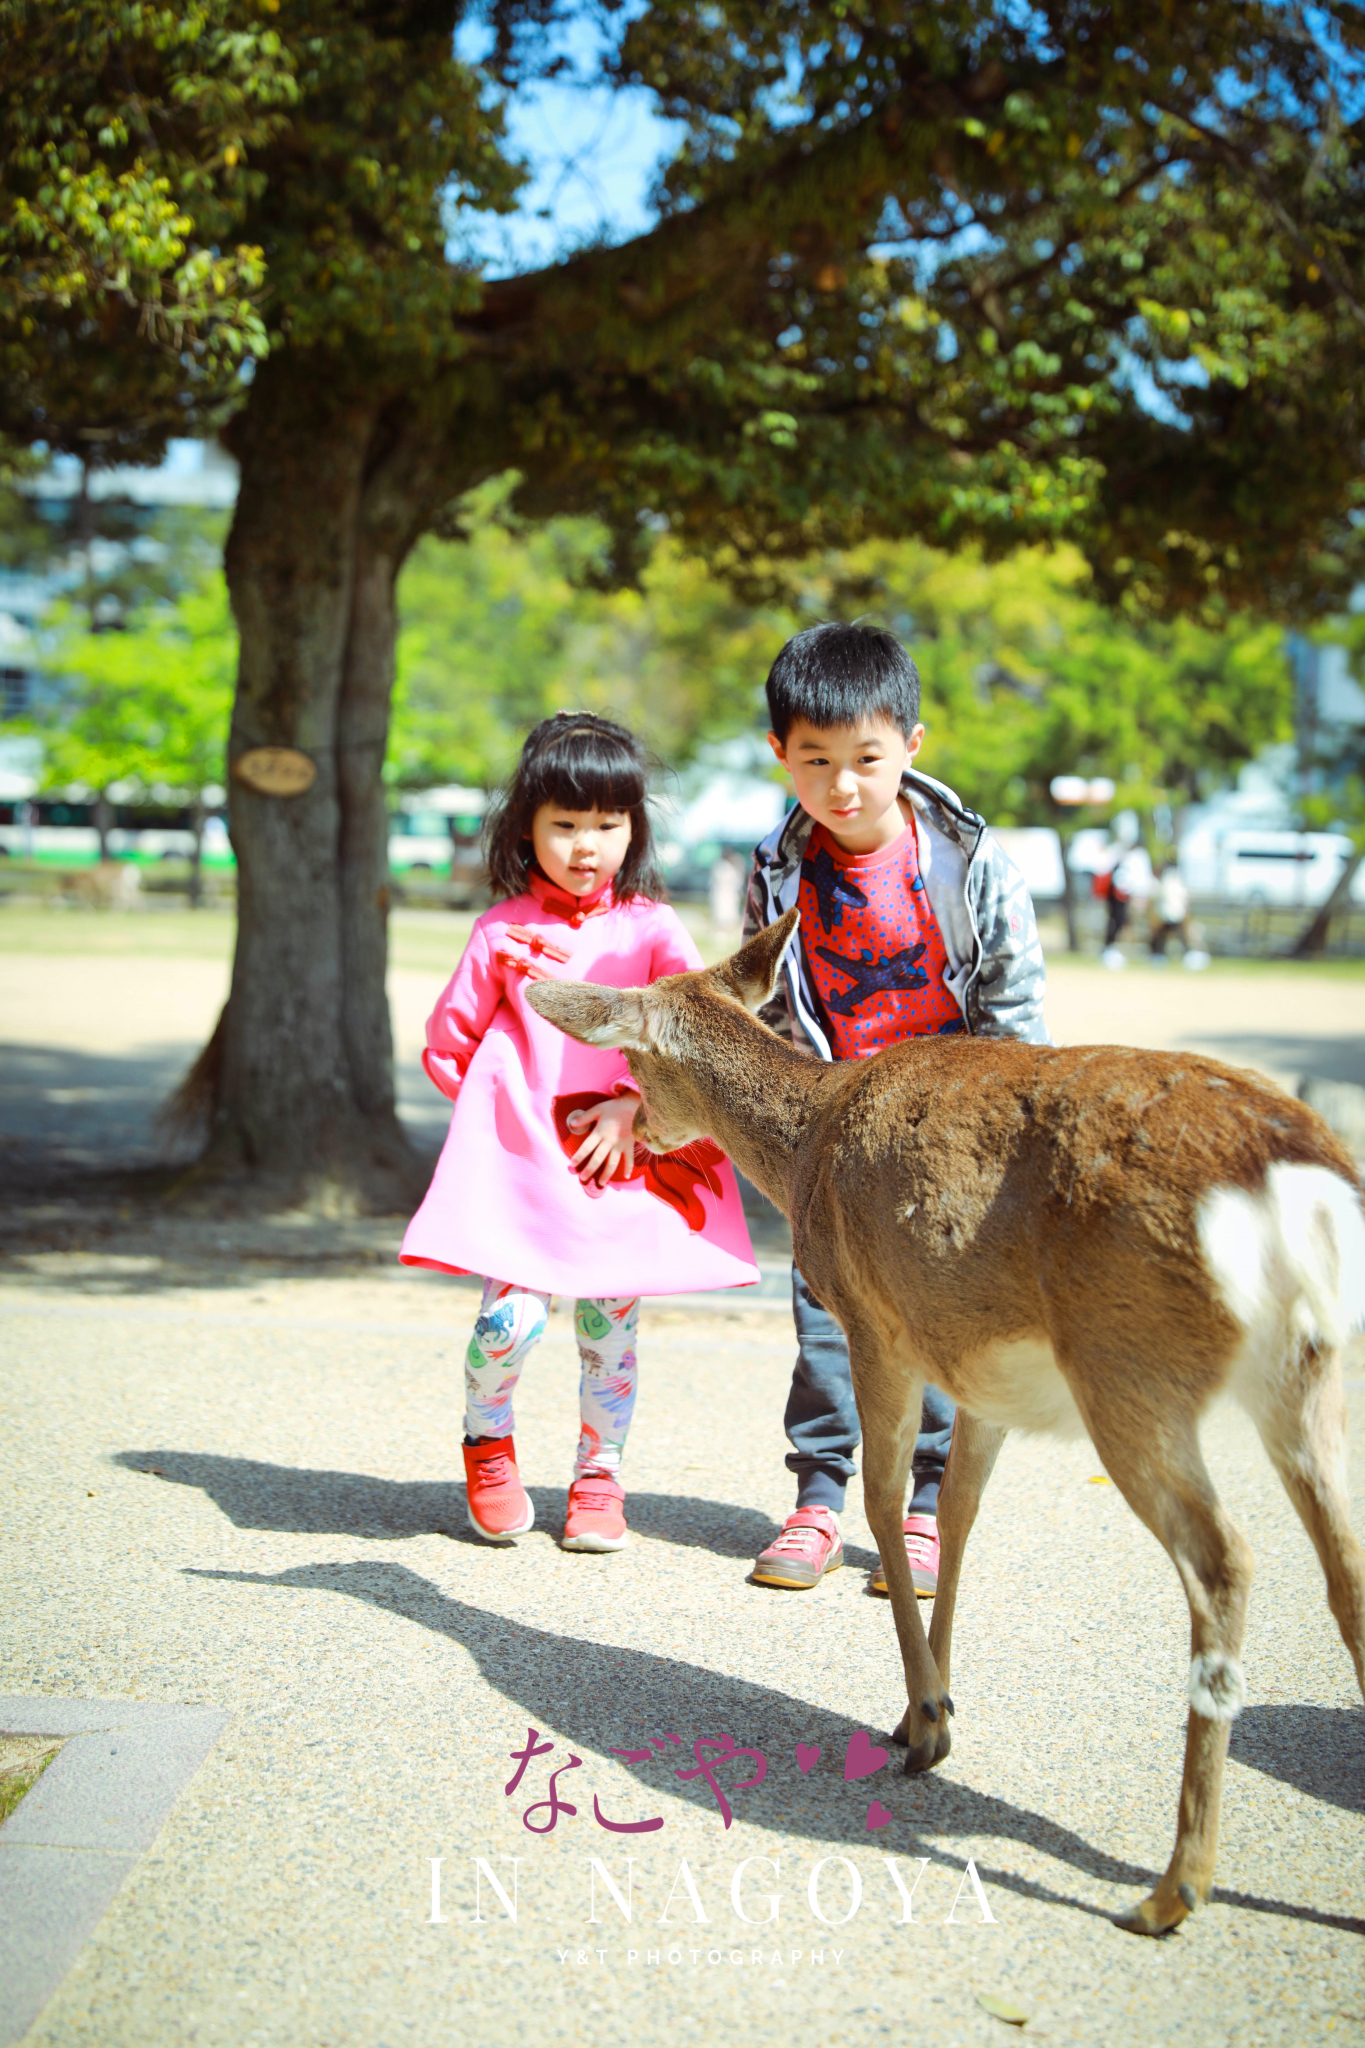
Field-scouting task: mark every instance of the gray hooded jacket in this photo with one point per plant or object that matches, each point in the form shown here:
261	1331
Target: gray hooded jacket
983	908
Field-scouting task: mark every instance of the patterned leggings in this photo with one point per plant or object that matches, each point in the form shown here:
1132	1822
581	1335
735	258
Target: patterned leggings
511	1322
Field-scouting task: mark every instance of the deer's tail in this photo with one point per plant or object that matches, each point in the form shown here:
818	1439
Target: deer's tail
1292	1253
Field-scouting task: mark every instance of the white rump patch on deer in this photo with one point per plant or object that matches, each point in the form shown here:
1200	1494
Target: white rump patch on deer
1218	1690
1289	1260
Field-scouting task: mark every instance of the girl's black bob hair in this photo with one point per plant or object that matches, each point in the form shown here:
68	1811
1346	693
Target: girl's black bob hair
586	763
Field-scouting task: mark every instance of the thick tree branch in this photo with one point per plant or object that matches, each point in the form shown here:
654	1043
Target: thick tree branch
1236	159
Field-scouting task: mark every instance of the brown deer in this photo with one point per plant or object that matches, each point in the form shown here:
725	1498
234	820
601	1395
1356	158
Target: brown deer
1086	1240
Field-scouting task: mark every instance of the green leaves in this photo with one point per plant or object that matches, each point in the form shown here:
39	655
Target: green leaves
1026	675
1103	282
124	287
501	631
149	704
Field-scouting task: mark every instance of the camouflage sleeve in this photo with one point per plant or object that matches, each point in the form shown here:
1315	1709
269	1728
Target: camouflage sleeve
1006	1000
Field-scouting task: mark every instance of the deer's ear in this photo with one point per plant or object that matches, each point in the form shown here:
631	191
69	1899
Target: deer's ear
751	975
594	1016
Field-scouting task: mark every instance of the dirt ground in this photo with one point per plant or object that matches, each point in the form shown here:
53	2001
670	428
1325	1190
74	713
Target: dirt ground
99	1016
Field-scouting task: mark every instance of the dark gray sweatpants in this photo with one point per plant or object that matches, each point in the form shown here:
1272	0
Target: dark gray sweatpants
822	1418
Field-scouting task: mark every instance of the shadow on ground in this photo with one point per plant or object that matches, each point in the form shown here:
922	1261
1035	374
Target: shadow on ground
562	1681
86	1109
1317	1750
1327	1059
303	1503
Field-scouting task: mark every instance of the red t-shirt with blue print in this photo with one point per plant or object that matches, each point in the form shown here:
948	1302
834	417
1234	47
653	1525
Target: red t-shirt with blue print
872	945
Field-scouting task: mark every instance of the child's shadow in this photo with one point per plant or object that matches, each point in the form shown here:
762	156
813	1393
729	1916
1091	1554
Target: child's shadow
254	1495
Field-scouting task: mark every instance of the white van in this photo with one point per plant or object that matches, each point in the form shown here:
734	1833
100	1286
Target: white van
1036	851
1240	864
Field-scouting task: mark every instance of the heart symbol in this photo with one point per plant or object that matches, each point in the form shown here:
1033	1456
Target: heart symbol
807	1756
877	1816
860	1758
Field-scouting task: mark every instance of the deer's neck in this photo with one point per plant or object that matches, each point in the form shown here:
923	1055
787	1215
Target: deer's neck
756	1098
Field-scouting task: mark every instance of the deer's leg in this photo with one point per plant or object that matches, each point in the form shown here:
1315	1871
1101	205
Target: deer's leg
1302	1420
1155	1461
889	1394
975	1448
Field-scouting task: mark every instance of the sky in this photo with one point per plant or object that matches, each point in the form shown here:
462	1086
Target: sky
593	153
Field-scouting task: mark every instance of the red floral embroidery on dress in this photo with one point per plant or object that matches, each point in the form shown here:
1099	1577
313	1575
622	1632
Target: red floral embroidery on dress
673	1177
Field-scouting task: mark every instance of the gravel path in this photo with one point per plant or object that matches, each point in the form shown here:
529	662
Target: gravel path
229	1462
248	1501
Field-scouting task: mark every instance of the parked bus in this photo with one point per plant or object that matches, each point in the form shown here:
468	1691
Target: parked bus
61	832
437	832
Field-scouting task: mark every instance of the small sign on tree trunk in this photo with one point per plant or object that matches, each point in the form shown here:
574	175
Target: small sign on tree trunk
275	771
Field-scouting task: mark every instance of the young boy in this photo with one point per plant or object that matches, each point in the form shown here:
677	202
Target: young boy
912	920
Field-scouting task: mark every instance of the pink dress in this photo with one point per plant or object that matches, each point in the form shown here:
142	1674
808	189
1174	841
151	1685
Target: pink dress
505	1200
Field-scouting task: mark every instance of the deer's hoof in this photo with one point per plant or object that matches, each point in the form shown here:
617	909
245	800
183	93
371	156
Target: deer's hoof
923	1734
1161	1912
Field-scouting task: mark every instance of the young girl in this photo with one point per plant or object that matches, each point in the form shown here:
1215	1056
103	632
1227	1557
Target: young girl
540	1178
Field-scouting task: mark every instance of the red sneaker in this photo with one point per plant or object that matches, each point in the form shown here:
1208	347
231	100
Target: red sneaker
499	1507
921	1547
809	1546
596	1518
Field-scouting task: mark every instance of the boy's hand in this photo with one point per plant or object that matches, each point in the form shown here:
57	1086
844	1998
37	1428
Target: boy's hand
611	1138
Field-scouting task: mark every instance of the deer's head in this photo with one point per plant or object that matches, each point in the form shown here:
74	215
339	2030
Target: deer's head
670	1031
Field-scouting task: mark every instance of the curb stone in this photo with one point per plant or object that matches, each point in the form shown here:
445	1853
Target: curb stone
74	1838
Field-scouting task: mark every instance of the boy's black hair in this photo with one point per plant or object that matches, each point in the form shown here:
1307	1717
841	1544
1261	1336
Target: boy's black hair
834	676
586	763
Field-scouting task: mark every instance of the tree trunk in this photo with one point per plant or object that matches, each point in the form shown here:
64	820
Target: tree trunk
102	818
303	1081
196	882
1064	839
1073	941
1313	937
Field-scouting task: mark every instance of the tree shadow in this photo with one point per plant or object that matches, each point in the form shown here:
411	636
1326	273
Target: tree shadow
61	1109
296	1502
1317	1750
1328	1059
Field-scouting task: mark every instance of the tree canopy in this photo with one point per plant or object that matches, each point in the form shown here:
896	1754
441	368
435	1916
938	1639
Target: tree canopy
960	269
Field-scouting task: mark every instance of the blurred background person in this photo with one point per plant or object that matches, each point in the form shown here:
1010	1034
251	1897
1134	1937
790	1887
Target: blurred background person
1170	910
1123	884
725	891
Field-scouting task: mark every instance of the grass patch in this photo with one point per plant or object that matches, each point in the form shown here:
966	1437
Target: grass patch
23	1759
155	934
431	941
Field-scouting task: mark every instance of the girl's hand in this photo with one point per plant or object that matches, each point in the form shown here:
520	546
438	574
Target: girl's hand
611	1138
